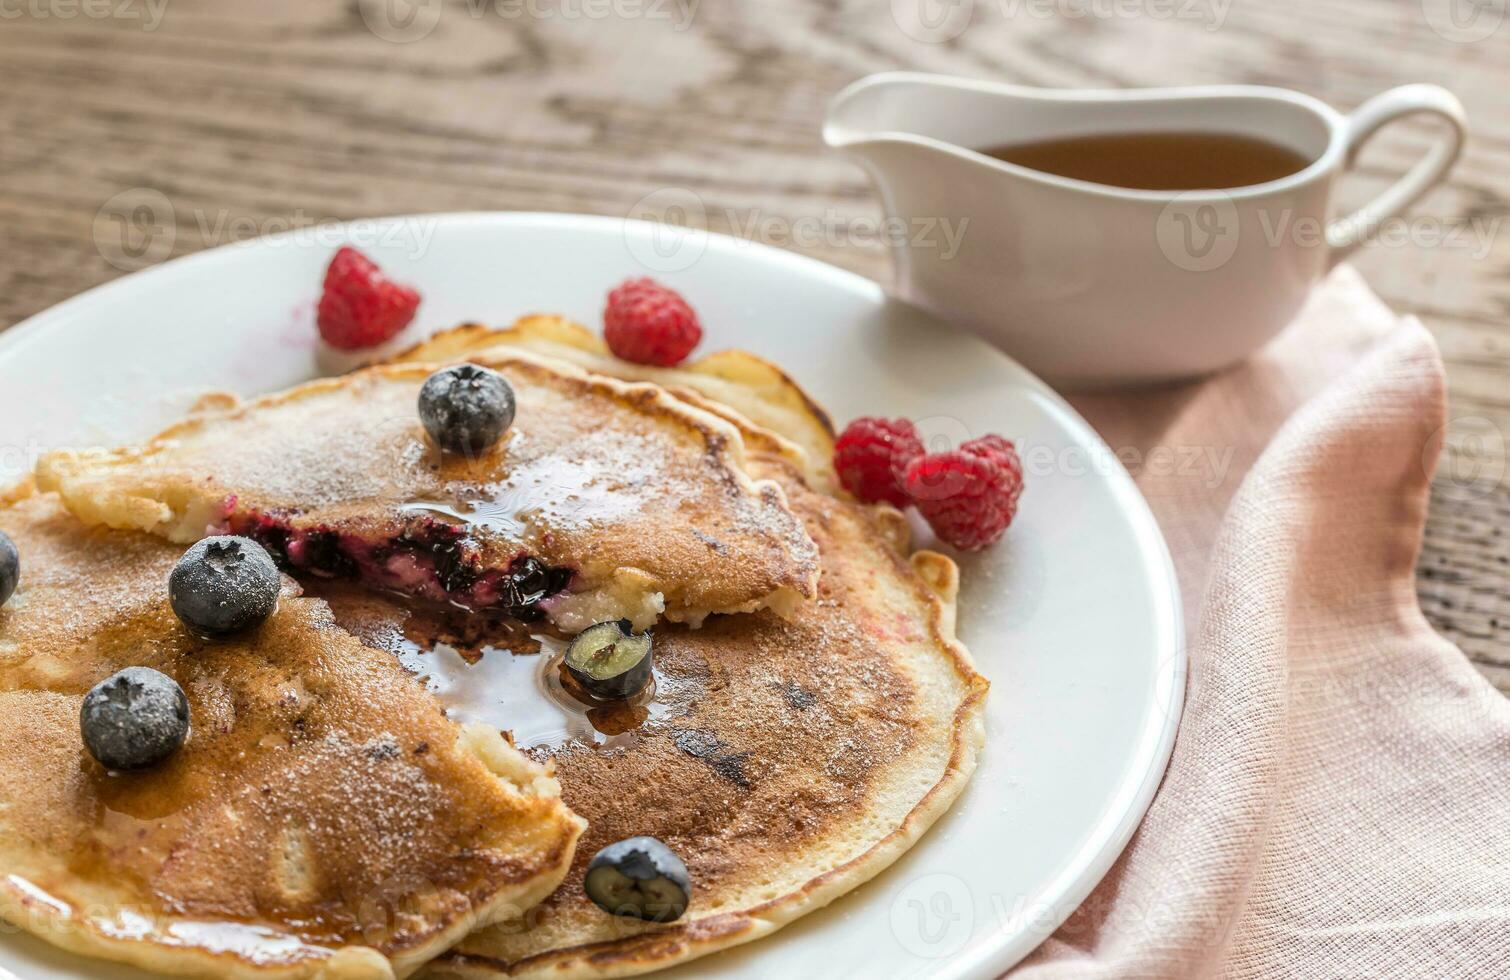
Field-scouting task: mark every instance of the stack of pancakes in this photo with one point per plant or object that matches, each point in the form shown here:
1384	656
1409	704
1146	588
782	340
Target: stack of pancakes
330	817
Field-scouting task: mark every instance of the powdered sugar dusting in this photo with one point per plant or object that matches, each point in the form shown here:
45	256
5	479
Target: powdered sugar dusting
621	485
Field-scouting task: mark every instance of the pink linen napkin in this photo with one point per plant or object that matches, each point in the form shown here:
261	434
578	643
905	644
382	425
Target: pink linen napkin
1338	802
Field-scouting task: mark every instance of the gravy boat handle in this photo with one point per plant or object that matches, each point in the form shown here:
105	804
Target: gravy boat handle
1344	235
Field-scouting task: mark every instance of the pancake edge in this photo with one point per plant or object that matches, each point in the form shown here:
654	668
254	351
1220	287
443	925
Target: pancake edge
733	365
455	341
939	578
76	475
22	903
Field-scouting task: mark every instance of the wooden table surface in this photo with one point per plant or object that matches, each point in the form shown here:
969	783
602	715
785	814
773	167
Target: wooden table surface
228	118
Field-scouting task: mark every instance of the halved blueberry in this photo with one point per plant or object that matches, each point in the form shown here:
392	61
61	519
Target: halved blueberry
134	719
610	660
466	408
223	585
641	878
10	568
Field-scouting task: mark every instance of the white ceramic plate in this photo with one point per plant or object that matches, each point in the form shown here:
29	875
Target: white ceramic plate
1075	617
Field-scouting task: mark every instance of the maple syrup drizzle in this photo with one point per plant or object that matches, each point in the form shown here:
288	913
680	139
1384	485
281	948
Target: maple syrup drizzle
529	695
259	944
486	667
551	493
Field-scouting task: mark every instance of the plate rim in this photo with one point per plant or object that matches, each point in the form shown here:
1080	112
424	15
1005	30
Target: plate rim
1086	867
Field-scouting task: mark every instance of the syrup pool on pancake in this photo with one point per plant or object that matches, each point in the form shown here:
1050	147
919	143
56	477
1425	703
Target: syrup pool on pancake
507	676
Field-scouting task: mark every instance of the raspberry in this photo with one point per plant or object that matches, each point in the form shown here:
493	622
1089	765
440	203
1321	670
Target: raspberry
968	496
361	307
998	449
871	455
647	323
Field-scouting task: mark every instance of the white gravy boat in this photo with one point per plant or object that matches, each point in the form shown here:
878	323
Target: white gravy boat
1089	284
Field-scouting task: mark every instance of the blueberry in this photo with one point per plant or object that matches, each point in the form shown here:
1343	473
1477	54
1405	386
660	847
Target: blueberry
641	878
466	408
10	567
611	660
532	581
134	719
224	585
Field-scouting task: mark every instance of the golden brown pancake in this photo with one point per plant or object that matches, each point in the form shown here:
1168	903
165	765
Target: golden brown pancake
751	386
324	818
785	760
604	500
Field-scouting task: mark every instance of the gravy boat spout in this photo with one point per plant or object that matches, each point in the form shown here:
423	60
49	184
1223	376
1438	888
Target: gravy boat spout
1090	284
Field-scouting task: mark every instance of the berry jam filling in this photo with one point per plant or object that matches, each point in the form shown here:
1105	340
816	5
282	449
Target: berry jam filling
428	559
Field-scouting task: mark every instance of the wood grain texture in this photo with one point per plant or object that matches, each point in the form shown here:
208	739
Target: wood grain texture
244	117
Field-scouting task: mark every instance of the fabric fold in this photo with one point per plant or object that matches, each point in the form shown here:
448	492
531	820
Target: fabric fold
1338	800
